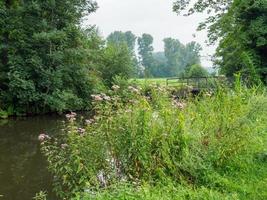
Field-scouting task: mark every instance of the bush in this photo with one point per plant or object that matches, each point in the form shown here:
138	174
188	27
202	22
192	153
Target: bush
204	143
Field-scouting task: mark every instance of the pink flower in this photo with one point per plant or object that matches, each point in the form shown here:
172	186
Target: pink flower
64	146
42	137
97	97
133	89
71	116
115	87
89	121
107	98
180	105
81	131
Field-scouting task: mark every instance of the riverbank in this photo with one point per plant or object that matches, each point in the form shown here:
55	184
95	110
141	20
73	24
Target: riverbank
153	147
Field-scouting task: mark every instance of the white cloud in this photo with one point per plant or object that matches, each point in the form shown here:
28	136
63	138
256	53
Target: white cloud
149	16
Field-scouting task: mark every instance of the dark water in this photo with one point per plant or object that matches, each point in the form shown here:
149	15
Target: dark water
23	170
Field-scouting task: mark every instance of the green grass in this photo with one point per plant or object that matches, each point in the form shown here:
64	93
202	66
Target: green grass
211	147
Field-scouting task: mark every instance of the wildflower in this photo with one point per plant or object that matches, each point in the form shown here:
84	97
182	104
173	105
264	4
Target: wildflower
81	130
116	98
106	98
208	94
180	105
89	121
64	146
115	87
42	137
133	89
97	97
71	116
128	111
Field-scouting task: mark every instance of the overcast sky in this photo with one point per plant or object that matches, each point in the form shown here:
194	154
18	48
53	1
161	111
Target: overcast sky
149	16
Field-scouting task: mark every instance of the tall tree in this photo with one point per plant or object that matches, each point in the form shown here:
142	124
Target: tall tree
120	38
174	51
44	63
116	61
191	54
160	65
145	49
180	56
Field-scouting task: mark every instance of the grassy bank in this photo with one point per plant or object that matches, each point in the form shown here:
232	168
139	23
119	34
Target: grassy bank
147	145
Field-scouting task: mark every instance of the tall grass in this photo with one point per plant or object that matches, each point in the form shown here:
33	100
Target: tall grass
146	145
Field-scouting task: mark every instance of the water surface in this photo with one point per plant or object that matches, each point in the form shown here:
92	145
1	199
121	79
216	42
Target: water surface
23	169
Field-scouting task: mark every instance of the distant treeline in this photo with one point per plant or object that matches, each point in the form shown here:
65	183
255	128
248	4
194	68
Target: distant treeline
176	60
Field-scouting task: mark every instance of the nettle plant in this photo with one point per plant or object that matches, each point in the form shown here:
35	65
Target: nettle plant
142	135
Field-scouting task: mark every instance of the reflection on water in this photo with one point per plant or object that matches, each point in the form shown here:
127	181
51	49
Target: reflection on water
23	169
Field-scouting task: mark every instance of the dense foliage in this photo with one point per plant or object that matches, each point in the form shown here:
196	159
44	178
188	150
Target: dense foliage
128	39
247	52
143	144
46	63
117	60
241	26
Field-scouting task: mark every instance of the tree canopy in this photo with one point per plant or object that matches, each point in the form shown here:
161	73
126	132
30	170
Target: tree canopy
240	26
48	62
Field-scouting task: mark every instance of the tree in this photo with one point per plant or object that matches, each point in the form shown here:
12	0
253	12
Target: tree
125	38
192	54
116	61
46	59
130	40
241	26
145	50
160	68
119	37
180	56
197	71
174	52
243	47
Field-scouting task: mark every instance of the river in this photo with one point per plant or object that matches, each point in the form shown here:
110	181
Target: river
23	169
